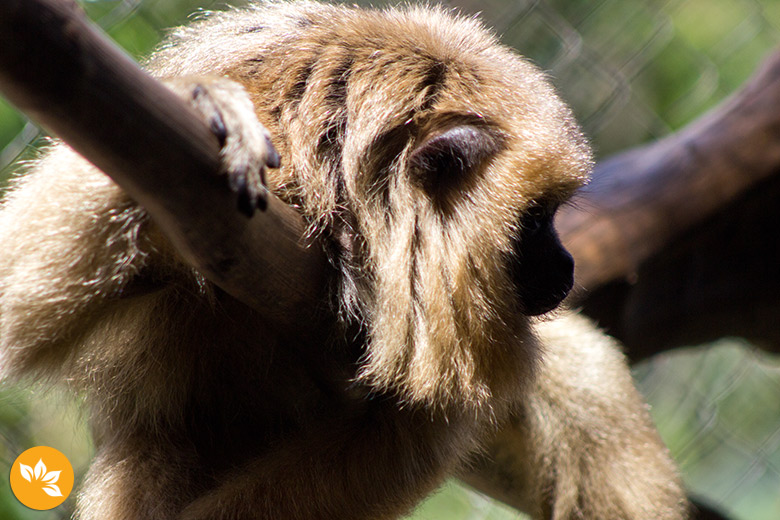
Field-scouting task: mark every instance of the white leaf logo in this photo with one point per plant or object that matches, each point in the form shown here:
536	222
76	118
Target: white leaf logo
51	477
27	472
52	490
40	469
42	477
40	474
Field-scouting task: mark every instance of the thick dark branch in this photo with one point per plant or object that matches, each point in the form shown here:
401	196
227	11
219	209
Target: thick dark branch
720	278
675	241
70	78
644	199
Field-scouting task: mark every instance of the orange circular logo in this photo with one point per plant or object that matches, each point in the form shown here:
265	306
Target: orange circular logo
41	478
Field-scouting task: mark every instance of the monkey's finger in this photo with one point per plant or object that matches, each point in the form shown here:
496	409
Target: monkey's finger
262	186
246	202
251	192
205	104
218	128
261	198
273	159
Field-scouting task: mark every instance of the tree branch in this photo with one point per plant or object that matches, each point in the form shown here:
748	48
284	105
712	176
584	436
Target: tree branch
675	242
73	80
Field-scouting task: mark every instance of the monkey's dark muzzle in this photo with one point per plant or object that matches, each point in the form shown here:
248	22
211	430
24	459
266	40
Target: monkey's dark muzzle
544	269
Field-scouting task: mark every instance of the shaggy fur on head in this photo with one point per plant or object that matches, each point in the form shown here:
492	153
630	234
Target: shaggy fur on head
341	90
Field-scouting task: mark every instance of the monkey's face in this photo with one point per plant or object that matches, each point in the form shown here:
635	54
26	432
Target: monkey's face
437	158
542	269
454	205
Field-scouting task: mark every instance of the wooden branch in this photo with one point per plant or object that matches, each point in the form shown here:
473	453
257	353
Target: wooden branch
676	242
718	279
642	200
73	80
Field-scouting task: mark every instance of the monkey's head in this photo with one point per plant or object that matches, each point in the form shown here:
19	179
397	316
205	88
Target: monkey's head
435	159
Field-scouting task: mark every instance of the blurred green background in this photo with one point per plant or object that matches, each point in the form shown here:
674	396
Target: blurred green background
633	71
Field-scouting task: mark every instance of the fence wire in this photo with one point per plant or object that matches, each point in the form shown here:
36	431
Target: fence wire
633	71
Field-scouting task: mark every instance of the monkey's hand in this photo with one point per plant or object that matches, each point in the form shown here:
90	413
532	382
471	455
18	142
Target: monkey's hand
246	144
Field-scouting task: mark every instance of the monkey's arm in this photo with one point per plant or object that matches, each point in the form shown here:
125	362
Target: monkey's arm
583	438
71	240
74	244
371	462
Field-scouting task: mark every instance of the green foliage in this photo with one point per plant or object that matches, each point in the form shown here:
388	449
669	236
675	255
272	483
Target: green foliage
717	410
455	501
634	70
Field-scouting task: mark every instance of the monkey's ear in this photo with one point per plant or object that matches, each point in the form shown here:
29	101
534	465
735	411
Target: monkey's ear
446	158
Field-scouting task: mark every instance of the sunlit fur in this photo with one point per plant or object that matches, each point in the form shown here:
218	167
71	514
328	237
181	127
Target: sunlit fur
347	95
199	410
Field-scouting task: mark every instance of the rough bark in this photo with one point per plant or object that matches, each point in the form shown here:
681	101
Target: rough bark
676	242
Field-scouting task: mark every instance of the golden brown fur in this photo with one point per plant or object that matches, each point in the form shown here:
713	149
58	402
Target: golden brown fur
200	411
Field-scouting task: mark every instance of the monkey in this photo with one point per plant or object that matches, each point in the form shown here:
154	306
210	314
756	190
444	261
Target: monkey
431	160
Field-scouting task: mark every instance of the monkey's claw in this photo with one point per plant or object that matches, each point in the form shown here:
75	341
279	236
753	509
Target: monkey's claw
252	195
274	160
246	148
246	153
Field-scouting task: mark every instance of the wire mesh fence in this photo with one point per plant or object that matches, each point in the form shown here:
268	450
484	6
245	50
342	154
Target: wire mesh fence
633	71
